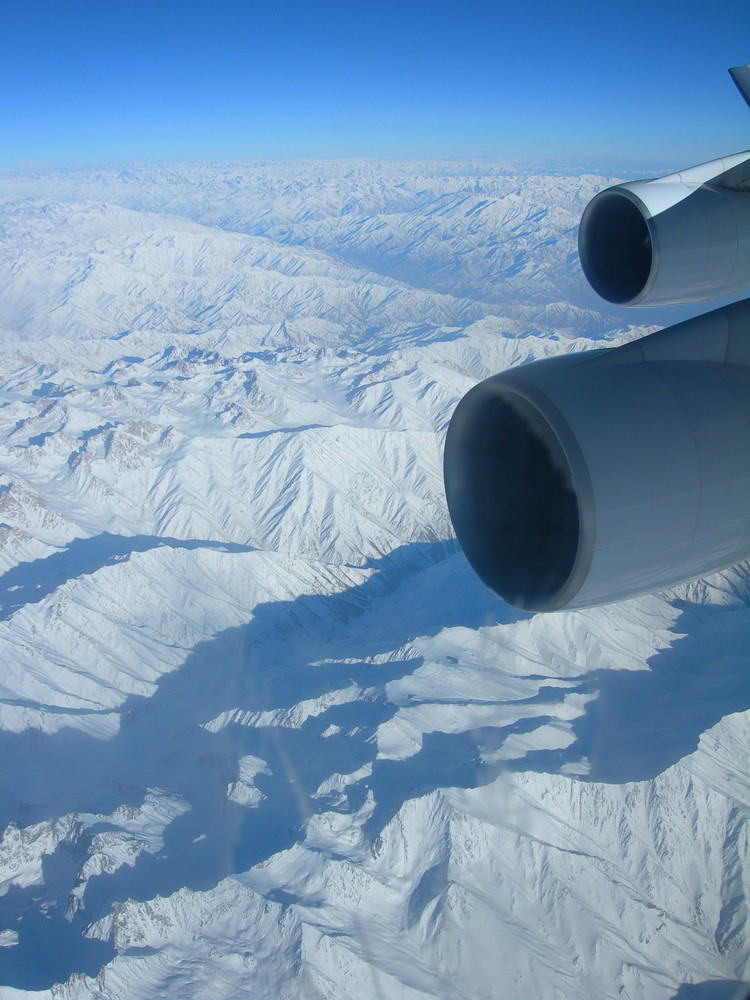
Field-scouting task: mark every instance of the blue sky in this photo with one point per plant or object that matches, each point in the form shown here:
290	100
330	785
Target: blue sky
636	84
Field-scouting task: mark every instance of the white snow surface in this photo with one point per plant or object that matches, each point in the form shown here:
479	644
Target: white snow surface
263	732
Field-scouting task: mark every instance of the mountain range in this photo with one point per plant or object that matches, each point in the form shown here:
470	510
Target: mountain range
264	733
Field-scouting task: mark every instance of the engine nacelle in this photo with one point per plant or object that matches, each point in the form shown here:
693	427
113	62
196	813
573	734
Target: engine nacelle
680	238
593	477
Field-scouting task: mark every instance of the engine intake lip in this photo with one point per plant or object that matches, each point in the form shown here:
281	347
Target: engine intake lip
616	246
519	494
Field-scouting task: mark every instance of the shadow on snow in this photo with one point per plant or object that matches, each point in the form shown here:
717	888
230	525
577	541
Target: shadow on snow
31	582
641	722
292	653
289	653
714	989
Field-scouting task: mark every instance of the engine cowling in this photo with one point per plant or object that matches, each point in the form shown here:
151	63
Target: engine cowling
680	238
594	477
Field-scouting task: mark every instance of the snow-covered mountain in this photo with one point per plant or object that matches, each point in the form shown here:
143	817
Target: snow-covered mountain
264	733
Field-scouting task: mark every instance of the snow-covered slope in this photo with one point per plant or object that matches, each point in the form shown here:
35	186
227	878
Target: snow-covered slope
264	734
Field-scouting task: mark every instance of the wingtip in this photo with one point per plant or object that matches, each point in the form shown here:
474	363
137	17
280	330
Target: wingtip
741	77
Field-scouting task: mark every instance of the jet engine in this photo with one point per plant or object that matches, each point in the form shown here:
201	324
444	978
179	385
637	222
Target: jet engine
680	238
593	477
597	476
